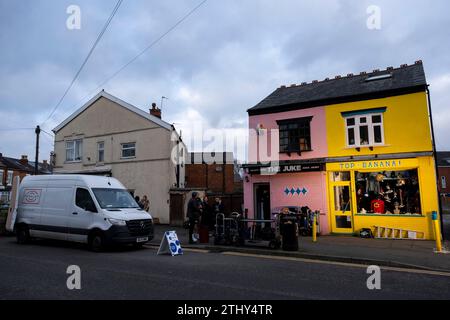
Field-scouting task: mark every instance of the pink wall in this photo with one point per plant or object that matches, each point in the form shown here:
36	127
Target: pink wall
269	121
315	199
314	182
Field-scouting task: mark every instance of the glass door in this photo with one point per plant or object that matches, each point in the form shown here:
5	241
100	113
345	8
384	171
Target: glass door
341	202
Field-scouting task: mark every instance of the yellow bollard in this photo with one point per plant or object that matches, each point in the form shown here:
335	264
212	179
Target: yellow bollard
314	228
437	231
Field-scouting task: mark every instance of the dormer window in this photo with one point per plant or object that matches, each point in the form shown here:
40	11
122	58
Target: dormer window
295	135
364	129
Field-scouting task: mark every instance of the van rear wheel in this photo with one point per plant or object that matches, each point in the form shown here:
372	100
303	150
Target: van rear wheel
96	242
23	235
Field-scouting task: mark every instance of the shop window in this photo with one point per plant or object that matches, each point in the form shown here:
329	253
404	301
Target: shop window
364	130
295	135
393	192
340	176
74	150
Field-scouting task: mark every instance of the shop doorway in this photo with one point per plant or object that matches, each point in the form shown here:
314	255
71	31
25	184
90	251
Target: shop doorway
341	202
262	201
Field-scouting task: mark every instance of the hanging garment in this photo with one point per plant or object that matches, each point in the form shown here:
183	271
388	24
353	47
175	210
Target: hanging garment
373	185
377	206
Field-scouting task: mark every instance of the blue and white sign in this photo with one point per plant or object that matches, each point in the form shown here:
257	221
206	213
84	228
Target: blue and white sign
170	244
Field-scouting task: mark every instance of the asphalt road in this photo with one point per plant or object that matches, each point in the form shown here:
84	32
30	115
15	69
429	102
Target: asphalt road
38	271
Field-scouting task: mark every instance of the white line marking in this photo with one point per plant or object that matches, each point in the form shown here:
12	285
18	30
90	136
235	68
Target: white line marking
344	264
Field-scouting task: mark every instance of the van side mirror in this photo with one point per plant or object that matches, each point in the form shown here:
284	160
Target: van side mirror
91	207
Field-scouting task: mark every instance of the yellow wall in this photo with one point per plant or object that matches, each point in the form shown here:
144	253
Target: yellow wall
428	196
406	125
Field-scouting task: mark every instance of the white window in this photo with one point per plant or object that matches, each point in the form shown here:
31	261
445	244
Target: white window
74	150
443	182
1	177
4	197
9	178
365	130
128	150
101	152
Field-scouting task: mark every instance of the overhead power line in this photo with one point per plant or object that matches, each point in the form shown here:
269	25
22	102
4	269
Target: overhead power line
162	36
113	13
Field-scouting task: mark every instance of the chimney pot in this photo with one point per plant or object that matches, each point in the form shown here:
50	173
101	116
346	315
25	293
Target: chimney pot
24	160
155	111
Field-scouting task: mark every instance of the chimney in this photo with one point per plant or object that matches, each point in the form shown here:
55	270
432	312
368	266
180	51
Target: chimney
24	160
155	111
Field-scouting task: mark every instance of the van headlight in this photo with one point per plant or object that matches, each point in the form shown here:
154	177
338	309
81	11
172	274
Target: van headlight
117	222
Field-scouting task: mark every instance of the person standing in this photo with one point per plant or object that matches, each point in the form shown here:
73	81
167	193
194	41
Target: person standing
207	215
145	203
138	201
193	214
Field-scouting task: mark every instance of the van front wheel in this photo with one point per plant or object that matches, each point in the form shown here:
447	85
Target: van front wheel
96	242
23	235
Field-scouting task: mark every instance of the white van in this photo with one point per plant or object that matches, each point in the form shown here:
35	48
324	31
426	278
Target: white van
88	209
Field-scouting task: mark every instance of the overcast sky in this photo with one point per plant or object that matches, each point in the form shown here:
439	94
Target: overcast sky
225	58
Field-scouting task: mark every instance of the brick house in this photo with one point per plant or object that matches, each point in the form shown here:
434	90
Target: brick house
218	175
11	168
443	159
215	172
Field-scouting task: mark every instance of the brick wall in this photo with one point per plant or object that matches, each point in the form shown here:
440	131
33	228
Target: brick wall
444	172
218	178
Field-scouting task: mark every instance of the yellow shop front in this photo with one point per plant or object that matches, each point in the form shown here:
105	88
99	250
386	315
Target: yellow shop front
394	198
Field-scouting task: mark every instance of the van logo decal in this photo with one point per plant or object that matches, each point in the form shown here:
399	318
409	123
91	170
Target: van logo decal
142	224
32	196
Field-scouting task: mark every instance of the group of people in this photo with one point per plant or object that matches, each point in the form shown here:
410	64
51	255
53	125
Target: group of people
143	203
201	214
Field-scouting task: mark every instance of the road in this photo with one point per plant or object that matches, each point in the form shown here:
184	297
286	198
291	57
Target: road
38	271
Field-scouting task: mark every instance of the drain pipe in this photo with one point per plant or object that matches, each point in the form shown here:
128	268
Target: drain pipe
435	161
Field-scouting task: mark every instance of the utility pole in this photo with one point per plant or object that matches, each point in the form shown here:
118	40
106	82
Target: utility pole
36	158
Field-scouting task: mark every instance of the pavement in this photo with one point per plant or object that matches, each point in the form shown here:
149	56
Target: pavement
415	254
39	271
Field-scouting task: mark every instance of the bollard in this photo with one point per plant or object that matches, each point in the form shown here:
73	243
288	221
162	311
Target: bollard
437	231
314	228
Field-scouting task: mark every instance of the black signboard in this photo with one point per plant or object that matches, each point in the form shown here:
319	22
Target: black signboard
287	168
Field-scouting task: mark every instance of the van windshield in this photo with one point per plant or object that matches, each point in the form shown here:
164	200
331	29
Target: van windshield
114	198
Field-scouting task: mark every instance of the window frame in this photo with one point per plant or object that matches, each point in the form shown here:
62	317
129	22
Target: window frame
74	148
9	178
102	149
2	175
303	132
129	148
371	130
90	195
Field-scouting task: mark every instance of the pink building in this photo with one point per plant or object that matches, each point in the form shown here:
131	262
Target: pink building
286	162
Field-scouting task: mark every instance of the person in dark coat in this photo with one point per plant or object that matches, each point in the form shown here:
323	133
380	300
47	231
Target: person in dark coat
207	214
193	214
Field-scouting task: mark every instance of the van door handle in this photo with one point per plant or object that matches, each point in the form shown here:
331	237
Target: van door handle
74	213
